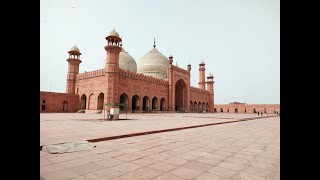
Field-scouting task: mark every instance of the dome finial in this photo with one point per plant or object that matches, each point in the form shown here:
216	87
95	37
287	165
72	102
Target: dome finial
154	42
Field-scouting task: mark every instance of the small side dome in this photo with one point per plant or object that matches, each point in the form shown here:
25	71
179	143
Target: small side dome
114	33
126	61
75	48
201	62
210	75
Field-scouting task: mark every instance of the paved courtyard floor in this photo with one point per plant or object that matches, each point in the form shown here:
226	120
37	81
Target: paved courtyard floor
239	150
66	127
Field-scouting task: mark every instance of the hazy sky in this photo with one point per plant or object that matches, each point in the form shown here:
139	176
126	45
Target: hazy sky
239	40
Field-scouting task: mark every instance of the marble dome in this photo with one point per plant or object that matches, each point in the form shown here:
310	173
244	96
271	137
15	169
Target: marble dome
126	61
153	64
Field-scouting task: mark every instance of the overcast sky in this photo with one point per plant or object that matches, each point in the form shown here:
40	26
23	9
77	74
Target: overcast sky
239	40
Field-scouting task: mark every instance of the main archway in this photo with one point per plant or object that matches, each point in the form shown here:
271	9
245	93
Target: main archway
181	96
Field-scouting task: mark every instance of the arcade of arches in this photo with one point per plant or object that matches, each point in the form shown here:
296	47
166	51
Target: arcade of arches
148	104
132	103
247	108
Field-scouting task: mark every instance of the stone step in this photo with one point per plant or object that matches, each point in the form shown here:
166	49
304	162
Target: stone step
91	111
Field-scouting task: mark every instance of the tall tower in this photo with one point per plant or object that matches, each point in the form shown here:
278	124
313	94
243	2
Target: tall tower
73	69
188	88
210	89
170	80
112	68
202	69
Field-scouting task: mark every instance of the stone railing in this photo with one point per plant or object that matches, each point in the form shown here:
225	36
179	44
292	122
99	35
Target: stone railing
178	69
91	74
57	93
142	76
198	90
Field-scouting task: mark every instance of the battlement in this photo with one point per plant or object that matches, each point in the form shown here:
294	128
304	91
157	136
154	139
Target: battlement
141	76
56	93
192	88
91	74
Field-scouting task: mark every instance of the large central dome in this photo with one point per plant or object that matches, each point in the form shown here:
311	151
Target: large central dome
126	61
154	64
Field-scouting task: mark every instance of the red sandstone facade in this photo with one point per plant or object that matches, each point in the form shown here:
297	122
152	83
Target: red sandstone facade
58	102
247	108
141	93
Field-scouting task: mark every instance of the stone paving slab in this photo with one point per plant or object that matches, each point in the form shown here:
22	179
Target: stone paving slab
56	128
211	152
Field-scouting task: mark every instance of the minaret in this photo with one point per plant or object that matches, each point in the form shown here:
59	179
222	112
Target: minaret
73	69
188	89
210	89
202	69
112	70
170	80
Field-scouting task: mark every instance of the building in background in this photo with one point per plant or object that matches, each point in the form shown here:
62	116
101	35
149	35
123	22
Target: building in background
152	84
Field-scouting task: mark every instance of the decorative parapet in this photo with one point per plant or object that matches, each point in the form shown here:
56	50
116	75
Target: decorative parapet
91	74
198	90
57	93
141	76
247	104
176	68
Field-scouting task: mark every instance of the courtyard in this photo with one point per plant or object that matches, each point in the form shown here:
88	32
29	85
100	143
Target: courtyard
237	150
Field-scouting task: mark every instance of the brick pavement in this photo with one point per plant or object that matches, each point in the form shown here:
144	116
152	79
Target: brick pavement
66	127
241	150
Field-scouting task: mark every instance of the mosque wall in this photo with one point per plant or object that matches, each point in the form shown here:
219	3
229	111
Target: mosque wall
198	99
247	108
58	102
132	84
89	88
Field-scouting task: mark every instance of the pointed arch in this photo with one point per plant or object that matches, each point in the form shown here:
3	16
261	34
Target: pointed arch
154	103
180	96
135	102
100	101
145	103
162	104
124	99
91	101
83	104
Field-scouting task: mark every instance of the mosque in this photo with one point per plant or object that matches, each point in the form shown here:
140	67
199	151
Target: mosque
151	84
